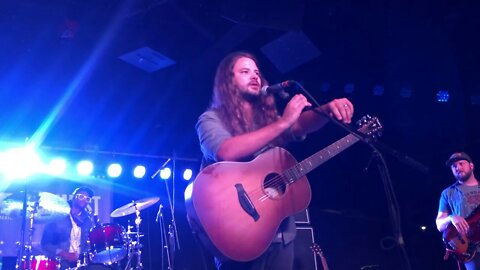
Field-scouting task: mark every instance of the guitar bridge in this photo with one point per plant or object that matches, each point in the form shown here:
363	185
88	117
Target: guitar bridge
246	203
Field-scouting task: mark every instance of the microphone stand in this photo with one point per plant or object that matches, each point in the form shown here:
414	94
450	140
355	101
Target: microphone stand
172	228
23	258
164	238
171	243
394	209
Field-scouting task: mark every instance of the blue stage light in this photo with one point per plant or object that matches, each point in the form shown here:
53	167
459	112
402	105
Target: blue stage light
187	174
378	90
443	96
139	171
165	173
20	163
57	166
85	167
114	170
349	88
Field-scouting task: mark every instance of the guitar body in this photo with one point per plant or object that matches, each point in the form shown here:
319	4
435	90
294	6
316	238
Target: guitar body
235	208
240	205
464	247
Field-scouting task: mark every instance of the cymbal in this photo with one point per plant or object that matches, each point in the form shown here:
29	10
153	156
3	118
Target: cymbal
46	206
132	207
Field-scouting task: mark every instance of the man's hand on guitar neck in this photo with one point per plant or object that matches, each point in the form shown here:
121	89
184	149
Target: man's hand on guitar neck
460	223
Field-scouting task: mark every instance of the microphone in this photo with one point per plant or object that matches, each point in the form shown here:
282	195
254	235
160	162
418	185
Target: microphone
278	89
161	167
159	212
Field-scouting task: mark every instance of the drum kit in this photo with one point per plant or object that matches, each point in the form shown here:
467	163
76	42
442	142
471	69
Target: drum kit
110	246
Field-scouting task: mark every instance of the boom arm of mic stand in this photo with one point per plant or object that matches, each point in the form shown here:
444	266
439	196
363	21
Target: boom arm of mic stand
394	211
373	144
402	157
331	118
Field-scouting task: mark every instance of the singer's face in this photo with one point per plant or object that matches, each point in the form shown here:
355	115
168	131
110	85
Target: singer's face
246	76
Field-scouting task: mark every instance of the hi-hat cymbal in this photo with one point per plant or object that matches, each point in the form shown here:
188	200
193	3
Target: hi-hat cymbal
45	206
131	208
134	233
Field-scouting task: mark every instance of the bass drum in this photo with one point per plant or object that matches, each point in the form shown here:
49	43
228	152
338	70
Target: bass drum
108	243
40	262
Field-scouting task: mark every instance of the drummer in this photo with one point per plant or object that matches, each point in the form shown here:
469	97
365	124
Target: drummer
67	237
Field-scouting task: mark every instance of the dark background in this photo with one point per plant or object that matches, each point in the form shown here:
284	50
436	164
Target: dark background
62	83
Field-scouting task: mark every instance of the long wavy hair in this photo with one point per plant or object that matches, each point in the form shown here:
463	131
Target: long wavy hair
226	99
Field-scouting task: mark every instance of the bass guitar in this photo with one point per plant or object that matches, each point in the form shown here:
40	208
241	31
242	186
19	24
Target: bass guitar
463	247
237	207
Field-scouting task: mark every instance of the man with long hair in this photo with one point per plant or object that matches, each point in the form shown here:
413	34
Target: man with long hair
242	123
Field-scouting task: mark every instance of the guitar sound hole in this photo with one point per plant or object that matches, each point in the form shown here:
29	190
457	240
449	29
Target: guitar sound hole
274	185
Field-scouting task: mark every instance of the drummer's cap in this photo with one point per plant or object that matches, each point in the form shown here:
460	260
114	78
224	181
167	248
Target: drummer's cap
88	190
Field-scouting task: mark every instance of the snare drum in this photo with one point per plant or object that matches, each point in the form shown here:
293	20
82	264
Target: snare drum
107	243
40	262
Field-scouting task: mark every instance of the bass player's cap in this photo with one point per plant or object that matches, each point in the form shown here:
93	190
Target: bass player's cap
456	157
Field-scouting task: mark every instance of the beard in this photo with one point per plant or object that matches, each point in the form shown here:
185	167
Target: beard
464	177
251	97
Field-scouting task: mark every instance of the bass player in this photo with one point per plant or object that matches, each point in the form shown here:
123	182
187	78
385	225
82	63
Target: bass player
458	201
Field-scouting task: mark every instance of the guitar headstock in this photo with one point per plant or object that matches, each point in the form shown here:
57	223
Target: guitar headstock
316	249
370	126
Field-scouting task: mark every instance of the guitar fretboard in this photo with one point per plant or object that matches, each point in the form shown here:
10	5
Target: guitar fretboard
317	159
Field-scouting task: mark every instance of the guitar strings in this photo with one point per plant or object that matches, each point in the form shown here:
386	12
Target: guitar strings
277	182
274	182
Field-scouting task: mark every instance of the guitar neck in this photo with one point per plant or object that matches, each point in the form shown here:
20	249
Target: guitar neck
324	262
317	159
316	250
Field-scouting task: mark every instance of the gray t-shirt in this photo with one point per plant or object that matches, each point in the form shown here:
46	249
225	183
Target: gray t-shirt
459	199
212	133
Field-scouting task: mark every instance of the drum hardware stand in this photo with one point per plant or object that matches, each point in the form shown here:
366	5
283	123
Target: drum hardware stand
82	262
135	248
26	247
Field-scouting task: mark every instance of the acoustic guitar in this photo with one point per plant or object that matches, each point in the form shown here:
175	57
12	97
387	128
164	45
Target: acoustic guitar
238	206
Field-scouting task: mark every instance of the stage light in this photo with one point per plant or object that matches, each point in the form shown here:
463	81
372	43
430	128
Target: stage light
57	166
165	173
85	167
378	90
20	163
325	87
443	96
406	92
475	99
187	174
114	170
139	171
349	88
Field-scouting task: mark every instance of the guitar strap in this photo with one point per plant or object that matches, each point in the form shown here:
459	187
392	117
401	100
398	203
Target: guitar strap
449	252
